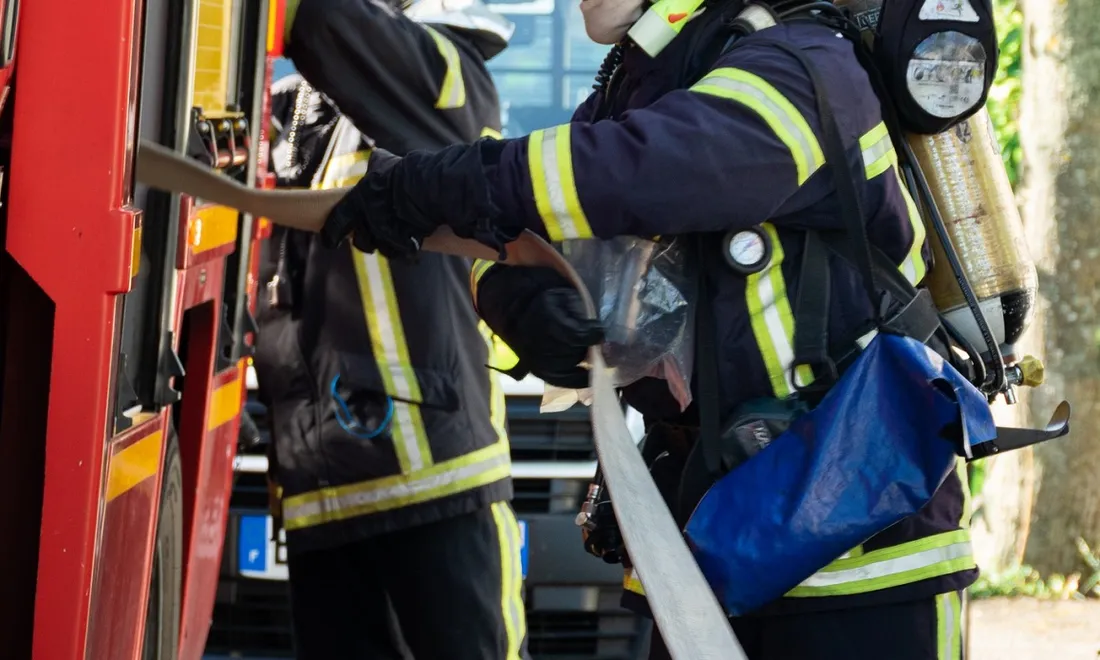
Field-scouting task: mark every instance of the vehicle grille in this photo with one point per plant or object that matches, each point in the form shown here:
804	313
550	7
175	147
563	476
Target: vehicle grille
251	619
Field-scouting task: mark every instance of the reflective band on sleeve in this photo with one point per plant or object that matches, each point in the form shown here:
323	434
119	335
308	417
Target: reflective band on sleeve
772	321
490	133
452	92
878	157
922	559
387	332
781	116
511	592
949	626
478	468
550	161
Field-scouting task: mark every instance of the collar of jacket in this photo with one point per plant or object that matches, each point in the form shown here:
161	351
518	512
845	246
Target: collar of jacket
487	30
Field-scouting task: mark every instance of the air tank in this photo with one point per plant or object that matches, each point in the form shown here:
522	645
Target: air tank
970	186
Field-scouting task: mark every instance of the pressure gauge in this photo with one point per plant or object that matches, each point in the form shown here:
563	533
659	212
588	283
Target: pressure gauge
747	251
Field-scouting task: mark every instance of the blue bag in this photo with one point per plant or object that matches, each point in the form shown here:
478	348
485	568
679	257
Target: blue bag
872	453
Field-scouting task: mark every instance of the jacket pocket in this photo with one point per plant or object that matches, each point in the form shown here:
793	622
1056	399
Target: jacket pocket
421	386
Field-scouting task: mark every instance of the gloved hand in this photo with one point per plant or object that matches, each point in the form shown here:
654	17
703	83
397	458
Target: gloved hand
541	318
403	200
601	535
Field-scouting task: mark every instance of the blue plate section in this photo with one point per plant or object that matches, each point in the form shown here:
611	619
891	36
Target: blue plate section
523	545
252	544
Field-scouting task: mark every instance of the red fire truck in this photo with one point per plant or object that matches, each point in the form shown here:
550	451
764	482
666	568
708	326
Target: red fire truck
125	317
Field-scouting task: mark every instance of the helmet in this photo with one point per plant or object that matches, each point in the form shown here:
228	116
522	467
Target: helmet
489	30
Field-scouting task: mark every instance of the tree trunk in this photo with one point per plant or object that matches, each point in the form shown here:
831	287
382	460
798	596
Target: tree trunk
1060	194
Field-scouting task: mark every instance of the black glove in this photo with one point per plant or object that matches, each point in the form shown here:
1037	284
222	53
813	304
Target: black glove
601	535
402	201
541	318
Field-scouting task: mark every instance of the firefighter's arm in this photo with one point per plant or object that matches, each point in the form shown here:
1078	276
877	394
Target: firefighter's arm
736	149
383	70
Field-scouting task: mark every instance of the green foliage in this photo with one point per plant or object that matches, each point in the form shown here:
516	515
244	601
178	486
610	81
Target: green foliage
1004	97
1026	581
1003	106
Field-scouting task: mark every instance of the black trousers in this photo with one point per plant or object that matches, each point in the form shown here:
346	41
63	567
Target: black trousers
449	590
929	629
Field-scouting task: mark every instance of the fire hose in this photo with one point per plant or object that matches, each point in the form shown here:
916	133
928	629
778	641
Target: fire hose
693	624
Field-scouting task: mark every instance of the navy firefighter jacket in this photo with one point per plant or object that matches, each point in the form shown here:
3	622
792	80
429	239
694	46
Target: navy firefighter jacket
697	141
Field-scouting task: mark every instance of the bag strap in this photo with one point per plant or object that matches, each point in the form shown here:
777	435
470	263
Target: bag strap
706	369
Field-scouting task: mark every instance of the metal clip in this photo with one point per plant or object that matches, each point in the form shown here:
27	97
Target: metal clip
273	292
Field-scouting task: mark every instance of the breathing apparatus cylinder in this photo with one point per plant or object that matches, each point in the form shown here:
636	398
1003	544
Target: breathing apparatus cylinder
967	179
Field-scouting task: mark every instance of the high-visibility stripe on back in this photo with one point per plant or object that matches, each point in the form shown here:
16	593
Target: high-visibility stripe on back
387	335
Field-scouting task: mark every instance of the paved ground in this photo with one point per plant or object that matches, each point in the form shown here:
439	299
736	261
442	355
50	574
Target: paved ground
1020	629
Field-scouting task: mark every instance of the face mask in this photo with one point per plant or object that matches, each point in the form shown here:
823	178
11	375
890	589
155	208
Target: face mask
607	21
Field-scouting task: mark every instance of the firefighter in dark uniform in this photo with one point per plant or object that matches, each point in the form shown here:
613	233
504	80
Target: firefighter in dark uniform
710	137
390	448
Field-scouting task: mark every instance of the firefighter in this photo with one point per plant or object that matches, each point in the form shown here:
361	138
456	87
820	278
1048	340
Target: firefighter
724	131
390	448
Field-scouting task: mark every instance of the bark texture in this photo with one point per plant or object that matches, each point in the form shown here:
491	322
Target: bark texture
1060	196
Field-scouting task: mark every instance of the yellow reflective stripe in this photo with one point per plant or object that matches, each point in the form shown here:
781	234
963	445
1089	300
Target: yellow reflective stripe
344	170
497	403
780	114
511	592
964	482
392	355
878	157
876	147
477	271
387	332
929	557
550	161
949	626
632	583
478	468
913	267
452	92
772	320
490	133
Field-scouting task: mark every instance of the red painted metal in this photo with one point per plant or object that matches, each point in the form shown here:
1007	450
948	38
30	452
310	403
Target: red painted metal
124	555
71	227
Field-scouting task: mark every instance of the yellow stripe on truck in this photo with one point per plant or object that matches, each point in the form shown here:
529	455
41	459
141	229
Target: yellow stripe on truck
133	465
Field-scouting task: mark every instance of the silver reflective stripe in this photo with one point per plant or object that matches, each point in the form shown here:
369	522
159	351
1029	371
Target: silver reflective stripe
551	175
771	105
888	567
392	360
948	615
876	151
400	491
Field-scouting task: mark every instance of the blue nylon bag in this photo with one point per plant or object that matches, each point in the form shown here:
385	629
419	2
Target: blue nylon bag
872	453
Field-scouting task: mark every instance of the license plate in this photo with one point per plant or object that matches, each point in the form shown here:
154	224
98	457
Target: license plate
523	547
258	555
